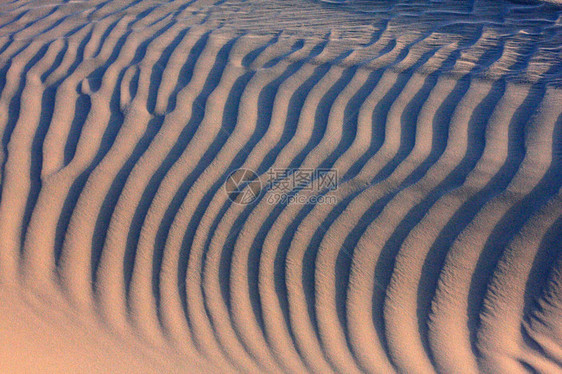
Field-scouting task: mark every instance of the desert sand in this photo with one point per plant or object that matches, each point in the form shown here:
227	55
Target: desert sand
124	250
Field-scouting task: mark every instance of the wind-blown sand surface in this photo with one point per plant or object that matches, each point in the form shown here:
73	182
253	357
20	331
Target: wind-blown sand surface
121	120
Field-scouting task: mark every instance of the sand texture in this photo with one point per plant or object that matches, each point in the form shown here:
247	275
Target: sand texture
121	122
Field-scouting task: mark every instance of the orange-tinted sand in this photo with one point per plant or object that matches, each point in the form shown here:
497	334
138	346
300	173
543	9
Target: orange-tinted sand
122	249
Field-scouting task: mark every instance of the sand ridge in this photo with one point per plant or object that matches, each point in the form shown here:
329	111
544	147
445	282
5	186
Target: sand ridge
122	120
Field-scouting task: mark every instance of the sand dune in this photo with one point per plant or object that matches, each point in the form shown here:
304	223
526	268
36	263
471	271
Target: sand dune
121	249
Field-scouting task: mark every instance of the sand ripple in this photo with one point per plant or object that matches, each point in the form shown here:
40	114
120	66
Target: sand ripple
122	120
